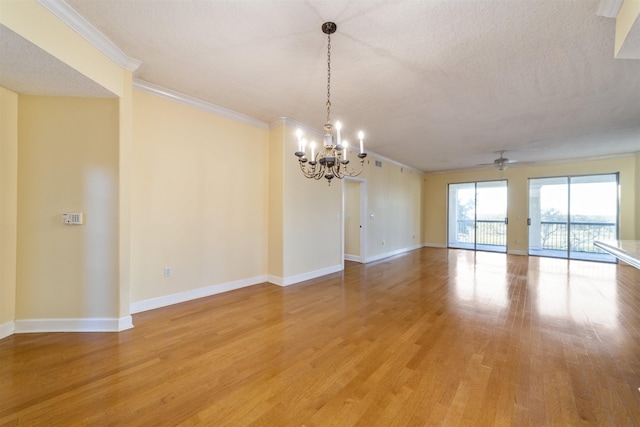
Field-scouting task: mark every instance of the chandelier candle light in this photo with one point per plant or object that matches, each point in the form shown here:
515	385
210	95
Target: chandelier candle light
331	159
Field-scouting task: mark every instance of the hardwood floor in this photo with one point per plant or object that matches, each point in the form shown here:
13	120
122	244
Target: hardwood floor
432	337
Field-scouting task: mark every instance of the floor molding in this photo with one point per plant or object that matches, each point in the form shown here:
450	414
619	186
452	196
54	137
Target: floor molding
7	329
291	280
392	253
98	324
166	300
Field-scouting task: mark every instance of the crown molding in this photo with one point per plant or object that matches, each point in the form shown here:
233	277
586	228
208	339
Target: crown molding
537	163
609	8
76	22
150	88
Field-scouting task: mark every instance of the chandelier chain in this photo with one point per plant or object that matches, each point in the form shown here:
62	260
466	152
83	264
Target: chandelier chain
328	78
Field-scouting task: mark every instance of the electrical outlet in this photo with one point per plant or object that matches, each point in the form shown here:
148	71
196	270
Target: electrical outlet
167	272
383	243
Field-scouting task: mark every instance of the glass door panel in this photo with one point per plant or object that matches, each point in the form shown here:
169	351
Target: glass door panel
549	217
462	216
477	216
491	216
567	214
593	214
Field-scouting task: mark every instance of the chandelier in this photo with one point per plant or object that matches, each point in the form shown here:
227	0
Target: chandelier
330	160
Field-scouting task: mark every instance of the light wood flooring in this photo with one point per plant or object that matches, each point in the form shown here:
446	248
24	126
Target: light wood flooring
431	337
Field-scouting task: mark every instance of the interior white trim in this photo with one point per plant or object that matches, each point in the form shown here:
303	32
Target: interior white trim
609	8
166	300
286	281
286	121
144	86
276	280
125	323
76	22
104	324
355	258
391	253
515	252
7	329
434	245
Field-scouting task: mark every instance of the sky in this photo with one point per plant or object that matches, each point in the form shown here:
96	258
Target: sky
588	197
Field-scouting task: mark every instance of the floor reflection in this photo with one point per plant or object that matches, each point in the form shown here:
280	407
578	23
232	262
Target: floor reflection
480	278
555	289
584	292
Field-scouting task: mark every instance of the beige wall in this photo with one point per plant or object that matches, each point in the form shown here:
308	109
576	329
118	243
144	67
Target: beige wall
313	211
67	161
199	199
637	196
30	20
312	216
125	165
394	198
8	204
352	218
435	193
276	203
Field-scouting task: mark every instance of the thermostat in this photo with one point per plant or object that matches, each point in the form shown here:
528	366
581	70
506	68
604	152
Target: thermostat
73	218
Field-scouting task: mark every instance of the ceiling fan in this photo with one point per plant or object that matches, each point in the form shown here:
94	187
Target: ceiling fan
501	163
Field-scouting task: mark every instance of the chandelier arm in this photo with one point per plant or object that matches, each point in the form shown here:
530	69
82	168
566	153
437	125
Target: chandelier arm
307	170
320	172
339	172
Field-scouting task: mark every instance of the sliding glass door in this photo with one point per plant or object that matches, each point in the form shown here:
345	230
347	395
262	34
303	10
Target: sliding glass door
477	216
567	214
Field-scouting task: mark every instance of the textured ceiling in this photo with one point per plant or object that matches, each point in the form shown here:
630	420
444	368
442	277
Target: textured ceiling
27	69
435	84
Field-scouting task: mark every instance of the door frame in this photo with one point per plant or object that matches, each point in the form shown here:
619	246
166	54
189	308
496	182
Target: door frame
568	184
475	213
363	216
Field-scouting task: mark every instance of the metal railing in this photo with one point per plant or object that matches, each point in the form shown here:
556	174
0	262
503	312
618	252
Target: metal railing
485	232
553	234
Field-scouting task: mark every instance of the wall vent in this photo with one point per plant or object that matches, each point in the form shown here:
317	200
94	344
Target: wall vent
378	163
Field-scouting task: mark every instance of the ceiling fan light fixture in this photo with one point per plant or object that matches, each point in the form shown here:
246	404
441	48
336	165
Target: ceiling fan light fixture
501	163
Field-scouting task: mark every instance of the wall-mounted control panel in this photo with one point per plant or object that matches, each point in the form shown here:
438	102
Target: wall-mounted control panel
73	218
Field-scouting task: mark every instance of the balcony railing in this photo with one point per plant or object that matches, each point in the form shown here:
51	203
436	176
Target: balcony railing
487	232
553	234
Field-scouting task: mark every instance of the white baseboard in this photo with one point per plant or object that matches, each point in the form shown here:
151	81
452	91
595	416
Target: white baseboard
166	300
286	281
276	280
434	245
125	323
513	252
392	253
355	258
106	324
7	329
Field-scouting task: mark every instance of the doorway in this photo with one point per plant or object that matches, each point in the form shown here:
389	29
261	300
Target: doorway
567	214
354	202
477	216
